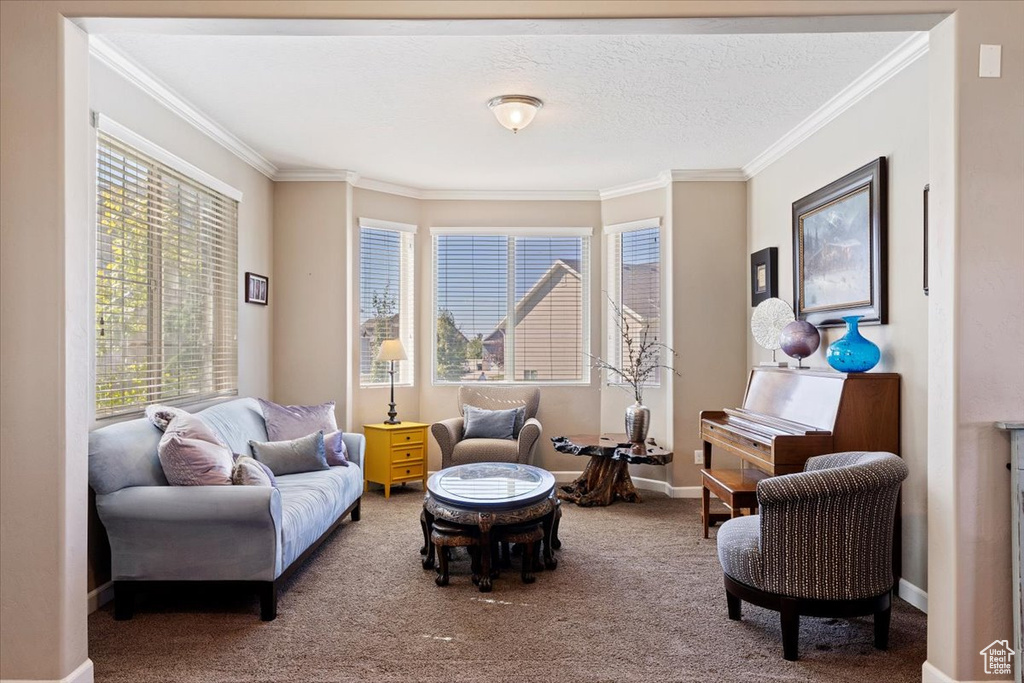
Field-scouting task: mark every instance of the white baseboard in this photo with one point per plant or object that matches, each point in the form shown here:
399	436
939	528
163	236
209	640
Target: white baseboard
930	674
914	595
100	596
641	483
664	487
83	674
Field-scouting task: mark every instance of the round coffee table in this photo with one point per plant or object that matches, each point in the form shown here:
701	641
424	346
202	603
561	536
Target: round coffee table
488	495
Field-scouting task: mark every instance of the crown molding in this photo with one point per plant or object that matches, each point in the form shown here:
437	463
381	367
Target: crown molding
896	61
475	195
657	182
388	188
514	195
152	86
718	175
315	175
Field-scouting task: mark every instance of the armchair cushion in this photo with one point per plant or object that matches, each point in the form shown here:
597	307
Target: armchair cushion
739	550
489	424
485	450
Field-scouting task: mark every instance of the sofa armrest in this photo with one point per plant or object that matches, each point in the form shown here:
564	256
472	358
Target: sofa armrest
356	445
529	435
193	533
447	433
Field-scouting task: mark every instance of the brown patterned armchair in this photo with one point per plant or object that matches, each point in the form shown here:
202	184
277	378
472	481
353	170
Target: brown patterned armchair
822	545
458	451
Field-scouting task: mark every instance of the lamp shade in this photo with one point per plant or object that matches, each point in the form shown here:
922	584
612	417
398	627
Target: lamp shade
515	112
391	349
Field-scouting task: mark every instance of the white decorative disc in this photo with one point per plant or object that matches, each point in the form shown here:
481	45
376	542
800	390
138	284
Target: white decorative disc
770	316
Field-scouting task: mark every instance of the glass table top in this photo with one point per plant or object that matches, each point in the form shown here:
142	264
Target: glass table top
492	484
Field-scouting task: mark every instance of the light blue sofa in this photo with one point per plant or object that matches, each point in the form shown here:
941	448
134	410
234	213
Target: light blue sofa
251	536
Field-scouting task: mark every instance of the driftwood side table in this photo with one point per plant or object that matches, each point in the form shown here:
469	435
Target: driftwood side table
607	475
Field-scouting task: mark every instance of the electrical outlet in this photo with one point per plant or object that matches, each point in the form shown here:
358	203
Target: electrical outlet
698	456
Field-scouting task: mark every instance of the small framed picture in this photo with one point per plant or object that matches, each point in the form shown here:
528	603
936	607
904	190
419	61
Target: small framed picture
764	275
257	288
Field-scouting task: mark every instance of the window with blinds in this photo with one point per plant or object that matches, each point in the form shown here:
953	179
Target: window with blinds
510	308
385	300
636	287
166	283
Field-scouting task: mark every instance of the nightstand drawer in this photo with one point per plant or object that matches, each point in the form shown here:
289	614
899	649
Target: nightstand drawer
412	470
400	437
407	454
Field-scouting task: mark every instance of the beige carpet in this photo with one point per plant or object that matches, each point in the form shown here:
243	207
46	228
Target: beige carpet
637	596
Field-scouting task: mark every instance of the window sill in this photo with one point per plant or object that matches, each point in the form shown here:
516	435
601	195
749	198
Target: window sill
585	384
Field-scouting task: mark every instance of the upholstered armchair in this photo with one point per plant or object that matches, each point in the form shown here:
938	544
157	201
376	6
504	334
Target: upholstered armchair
458	451
821	546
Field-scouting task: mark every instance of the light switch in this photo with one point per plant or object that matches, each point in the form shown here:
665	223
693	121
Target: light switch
990	61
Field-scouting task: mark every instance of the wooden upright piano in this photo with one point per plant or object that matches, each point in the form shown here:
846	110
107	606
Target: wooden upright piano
789	415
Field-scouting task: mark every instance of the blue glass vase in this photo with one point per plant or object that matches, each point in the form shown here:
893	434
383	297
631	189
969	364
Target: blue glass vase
853	353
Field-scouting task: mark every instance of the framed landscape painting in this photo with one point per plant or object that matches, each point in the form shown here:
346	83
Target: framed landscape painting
839	250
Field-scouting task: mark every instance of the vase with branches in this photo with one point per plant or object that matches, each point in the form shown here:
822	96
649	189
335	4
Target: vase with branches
642	355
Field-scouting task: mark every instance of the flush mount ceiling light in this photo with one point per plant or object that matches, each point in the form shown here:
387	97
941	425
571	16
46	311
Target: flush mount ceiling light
514	111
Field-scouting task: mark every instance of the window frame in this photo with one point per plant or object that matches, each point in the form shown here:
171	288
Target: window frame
406	377
613	280
510	233
168	164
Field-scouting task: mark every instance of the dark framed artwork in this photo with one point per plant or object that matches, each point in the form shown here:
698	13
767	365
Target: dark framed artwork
839	249
764	275
257	289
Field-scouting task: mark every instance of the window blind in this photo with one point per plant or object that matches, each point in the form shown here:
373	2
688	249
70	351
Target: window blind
166	284
510	308
385	302
637	267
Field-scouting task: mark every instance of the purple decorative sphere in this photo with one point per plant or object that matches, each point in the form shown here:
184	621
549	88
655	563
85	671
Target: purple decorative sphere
799	339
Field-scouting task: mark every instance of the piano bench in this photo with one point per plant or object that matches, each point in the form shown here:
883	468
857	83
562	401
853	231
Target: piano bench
737	489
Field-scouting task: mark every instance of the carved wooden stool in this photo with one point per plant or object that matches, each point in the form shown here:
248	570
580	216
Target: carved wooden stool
551	542
446	535
529	534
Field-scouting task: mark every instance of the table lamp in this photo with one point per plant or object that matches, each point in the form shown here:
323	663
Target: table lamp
392	350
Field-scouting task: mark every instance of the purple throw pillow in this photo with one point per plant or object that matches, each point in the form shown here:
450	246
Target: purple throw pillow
285	423
337	451
263	466
191	454
251	472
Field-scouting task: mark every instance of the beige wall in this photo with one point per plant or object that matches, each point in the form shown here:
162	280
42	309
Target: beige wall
709	307
308	294
976	331
891	122
44	343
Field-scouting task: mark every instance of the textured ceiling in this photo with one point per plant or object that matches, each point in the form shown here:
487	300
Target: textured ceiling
412	109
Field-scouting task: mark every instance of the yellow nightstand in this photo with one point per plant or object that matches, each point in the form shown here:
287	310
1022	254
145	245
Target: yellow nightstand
395	454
